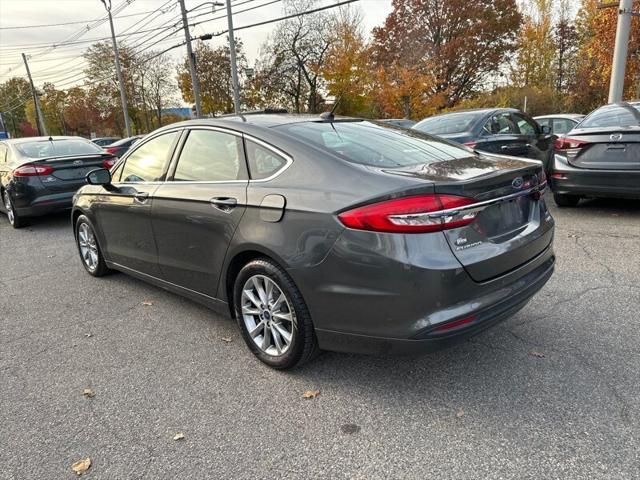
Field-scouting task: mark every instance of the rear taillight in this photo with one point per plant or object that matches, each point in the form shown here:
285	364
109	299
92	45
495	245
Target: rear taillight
108	162
569	144
29	170
111	150
416	214
471	144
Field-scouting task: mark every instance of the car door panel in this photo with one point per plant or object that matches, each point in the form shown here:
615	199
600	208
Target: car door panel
195	214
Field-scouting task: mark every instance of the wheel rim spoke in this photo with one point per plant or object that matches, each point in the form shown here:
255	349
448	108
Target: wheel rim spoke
267	315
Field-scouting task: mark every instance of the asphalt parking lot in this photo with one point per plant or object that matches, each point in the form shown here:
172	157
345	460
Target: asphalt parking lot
552	393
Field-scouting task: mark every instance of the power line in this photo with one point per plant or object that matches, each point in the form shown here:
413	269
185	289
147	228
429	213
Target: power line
79	22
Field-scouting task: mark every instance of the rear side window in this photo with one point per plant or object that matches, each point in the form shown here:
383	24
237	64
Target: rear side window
612	116
210	156
46	148
263	162
147	163
502	124
562	125
375	144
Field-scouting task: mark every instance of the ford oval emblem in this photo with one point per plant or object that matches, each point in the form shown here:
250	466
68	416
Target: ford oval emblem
615	137
517	183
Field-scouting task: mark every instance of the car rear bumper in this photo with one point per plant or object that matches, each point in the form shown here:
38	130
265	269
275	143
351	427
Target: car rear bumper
43	204
382	293
567	180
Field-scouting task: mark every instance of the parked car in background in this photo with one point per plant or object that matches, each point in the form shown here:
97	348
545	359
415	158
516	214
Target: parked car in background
121	147
559	123
39	175
413	243
600	157
400	122
102	141
496	130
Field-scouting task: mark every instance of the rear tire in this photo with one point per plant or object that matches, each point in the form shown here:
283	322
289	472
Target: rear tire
272	316
90	252
16	220
566	200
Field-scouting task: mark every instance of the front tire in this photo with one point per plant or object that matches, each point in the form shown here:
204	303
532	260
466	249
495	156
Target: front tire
563	200
90	252
272	316
15	220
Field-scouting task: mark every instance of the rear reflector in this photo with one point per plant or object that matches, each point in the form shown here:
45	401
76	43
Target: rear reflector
29	170
416	214
108	163
455	324
559	176
569	143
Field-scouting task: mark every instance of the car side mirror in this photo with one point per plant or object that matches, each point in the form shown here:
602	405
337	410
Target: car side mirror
546	130
100	176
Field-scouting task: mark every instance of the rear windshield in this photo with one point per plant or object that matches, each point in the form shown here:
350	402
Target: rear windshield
379	145
449	123
613	116
54	148
125	142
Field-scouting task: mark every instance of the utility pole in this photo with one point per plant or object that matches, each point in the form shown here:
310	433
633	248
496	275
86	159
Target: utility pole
195	84
42	128
616	85
232	53
123	95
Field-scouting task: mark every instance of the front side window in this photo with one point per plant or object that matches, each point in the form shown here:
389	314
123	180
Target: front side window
147	163
210	156
525	125
263	162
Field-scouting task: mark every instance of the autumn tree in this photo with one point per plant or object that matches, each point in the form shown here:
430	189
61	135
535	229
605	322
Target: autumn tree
213	67
453	46
13	92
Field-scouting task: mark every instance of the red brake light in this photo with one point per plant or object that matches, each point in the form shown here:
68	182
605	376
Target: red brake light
111	150
108	163
569	143
471	144
29	170
414	214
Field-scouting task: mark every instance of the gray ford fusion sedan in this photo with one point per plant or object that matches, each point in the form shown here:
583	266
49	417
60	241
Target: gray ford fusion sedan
323	233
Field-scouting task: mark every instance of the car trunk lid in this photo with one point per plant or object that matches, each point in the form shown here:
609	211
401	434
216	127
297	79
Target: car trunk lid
512	224
69	173
611	148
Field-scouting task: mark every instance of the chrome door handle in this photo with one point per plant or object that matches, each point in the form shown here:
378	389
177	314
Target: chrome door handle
225	204
141	197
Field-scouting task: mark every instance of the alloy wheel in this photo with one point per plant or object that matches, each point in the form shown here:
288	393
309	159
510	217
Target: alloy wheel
267	315
9	208
88	246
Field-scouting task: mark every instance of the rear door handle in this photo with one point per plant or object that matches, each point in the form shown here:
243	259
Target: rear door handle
225	204
141	197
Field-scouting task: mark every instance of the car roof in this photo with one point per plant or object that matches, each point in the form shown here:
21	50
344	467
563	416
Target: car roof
484	111
570	116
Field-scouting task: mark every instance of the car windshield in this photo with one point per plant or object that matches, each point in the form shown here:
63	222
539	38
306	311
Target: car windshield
613	116
374	144
54	148
125	142
449	123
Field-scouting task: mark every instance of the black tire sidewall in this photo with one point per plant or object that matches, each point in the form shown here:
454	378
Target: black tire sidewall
18	221
562	200
268	269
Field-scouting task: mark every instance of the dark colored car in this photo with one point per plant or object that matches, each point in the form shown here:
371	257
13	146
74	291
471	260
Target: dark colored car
600	157
559	123
323	233
120	147
496	130
39	175
104	141
400	122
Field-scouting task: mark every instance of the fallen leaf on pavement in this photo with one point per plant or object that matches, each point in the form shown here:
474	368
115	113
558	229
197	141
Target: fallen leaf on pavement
81	466
534	353
226	339
460	413
178	436
310	393
147	303
87	392
88	335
